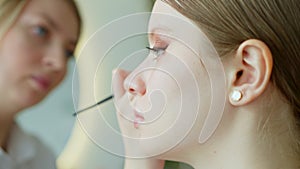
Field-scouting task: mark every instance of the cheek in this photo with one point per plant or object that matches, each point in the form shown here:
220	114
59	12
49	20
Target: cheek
58	78
175	107
12	60
62	75
17	50
180	99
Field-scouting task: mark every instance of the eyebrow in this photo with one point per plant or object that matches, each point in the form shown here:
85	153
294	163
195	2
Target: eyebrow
49	20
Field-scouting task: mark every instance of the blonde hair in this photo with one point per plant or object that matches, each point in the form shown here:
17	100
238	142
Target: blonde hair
10	10
228	23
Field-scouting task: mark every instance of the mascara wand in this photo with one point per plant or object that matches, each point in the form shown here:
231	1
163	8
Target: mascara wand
100	102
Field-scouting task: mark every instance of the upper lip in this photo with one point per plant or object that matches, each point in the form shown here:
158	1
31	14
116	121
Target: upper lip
43	81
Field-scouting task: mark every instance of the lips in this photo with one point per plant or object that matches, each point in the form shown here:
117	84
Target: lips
42	82
139	118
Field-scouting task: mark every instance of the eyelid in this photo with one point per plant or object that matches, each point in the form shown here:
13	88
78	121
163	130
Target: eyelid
159	44
159	40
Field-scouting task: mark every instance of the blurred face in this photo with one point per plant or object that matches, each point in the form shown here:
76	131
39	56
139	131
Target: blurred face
167	97
35	50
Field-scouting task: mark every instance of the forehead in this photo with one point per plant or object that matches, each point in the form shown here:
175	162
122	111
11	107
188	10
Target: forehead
59	11
168	21
161	15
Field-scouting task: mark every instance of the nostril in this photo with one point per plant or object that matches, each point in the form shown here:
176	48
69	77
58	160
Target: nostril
139	91
131	90
136	86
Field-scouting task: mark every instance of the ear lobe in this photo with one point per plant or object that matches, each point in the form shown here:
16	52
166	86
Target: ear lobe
252	71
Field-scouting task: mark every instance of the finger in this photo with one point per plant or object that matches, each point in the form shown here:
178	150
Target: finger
118	77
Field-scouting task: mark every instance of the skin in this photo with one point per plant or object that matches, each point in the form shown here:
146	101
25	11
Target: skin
156	100
34	55
234	144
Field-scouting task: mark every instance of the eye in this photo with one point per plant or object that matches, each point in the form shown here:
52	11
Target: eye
69	53
40	31
157	51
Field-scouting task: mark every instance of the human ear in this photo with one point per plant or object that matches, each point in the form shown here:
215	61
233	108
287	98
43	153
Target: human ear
251	72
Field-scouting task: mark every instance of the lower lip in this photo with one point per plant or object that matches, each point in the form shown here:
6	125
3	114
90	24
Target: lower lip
41	85
138	120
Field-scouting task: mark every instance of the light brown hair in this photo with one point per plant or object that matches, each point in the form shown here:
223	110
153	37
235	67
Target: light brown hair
228	23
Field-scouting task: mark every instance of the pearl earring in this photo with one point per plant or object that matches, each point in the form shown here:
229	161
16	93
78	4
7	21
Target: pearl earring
236	95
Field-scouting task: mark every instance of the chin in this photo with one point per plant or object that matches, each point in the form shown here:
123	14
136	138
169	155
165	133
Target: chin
30	101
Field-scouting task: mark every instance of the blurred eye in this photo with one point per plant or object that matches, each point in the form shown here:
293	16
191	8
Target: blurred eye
69	53
40	31
160	44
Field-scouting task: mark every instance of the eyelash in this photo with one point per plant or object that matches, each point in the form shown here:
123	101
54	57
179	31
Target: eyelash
157	51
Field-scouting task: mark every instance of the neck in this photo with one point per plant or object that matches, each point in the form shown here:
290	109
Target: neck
7	115
246	141
247	152
6	122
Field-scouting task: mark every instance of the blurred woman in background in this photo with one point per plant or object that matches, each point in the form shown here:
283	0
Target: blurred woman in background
37	38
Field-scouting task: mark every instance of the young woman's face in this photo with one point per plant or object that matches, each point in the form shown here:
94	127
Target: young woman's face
35	50
169	94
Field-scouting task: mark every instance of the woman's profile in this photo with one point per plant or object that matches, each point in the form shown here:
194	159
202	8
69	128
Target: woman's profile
163	105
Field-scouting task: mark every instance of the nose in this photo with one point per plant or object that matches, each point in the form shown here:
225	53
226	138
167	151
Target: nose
55	60
135	85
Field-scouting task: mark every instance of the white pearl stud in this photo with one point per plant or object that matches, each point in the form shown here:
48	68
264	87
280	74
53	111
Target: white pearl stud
236	95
